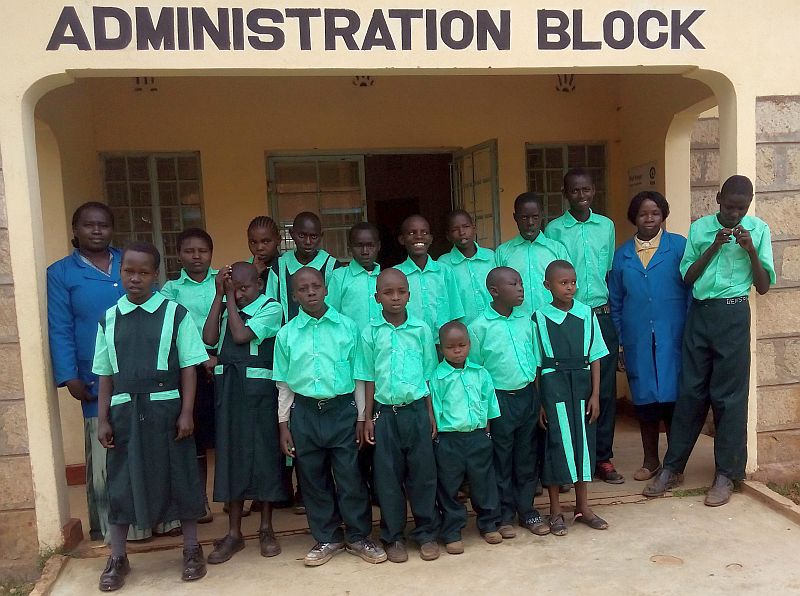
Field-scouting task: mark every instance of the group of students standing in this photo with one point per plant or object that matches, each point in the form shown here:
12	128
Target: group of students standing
491	370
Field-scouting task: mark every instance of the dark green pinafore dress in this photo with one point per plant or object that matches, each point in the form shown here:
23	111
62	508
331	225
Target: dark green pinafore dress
249	463
570	442
152	478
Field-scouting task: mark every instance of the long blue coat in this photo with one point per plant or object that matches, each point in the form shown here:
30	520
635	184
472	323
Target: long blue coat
77	296
649	308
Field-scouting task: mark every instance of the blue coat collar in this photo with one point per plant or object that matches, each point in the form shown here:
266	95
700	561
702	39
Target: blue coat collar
628	251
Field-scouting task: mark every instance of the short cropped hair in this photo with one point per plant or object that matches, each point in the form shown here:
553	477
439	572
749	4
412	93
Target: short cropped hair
737	185
647	195
578	172
528	197
195	233
143	247
458	213
363	226
557	265
444	329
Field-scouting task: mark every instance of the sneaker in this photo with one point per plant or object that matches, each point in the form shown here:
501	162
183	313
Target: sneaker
721	491
208	517
455	548
396	552
113	576
664	481
493	537
429	551
367	550
507	531
194	563
608	473
536	524
268	543
322	552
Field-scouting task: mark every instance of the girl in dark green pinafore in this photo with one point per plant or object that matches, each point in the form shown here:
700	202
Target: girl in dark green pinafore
145	355
569	383
248	456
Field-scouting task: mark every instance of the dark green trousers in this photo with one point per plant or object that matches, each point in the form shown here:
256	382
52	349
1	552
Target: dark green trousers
461	456
327	454
715	373
608	390
405	468
515	442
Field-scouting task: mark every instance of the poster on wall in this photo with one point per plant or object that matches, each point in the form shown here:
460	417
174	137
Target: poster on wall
642	177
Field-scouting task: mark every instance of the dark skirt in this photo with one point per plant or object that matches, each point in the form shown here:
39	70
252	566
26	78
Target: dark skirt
248	461
204	423
570	443
655	412
152	478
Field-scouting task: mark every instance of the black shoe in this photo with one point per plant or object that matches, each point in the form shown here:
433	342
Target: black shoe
95	535
664	481
194	563
720	492
113	576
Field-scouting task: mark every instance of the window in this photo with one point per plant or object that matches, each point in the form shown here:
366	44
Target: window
547	164
475	189
332	187
154	197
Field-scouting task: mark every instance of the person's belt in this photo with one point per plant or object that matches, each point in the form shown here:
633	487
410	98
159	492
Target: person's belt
602	310
324	404
725	301
379	407
576	363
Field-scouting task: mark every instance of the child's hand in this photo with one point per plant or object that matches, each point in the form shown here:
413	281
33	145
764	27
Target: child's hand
287	443
744	239
723	237
260	264
219	282
185	426
105	434
360	434
621	361
434	430
542	418
369	431
593	409
209	365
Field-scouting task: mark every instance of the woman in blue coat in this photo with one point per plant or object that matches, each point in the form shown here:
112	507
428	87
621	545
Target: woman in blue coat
648	305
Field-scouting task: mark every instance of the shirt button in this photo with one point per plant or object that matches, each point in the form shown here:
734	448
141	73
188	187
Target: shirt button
161	384
115	285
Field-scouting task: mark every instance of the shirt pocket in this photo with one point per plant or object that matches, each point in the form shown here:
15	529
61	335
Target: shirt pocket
343	376
442	311
412	368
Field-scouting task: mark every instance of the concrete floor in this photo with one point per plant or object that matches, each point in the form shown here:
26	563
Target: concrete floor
666	546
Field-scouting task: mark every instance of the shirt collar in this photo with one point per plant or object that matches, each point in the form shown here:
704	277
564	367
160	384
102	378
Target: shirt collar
648	244
293	264
445	369
84	262
126	306
748	223
411	321
569	219
252	308
491	313
430	265
579	309
518	240
184	278
303	318
357	269
482	254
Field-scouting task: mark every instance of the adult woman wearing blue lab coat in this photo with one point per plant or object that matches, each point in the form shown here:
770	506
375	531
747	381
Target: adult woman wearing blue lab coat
648	305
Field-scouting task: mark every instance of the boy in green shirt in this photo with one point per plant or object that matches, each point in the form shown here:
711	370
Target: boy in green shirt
194	290
726	254
307	235
434	296
351	289
464	401
396	359
503	341
313	368
531	251
470	263
589	240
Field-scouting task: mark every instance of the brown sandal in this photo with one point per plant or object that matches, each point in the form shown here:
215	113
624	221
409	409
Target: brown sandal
596	523
643	473
558	527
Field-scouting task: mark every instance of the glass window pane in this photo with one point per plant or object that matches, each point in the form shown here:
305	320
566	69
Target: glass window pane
554	157
335	242
192	217
295	176
189	193
140	194
142	220
167	193
188	168
117	194
597	156
290	204
537	182
483	164
338	175
122	220
172	267
115	168
120	240
576	156
165	166
555	180
170	244
536	158
143	237
171	219
137	168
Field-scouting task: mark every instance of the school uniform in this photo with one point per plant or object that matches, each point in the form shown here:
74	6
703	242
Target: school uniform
590	245
78	293
270	278
351	291
196	297
470	274
400	360
569	342
249	464
464	401
507	347
433	293
315	358
152	477
648	305
530	259
716	347
288	266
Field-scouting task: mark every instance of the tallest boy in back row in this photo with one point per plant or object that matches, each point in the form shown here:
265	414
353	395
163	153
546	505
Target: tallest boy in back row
589	239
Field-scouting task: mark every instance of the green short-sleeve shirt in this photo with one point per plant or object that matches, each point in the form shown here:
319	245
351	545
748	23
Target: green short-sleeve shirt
196	297
506	346
590	245
288	264
729	274
470	274
530	259
400	360
351	291
316	357
434	295
265	317
593	343
463	399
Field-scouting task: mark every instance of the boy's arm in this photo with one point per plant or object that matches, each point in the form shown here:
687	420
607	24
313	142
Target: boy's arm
761	277
616	295
475	352
369	407
697	264
211	326
240	332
